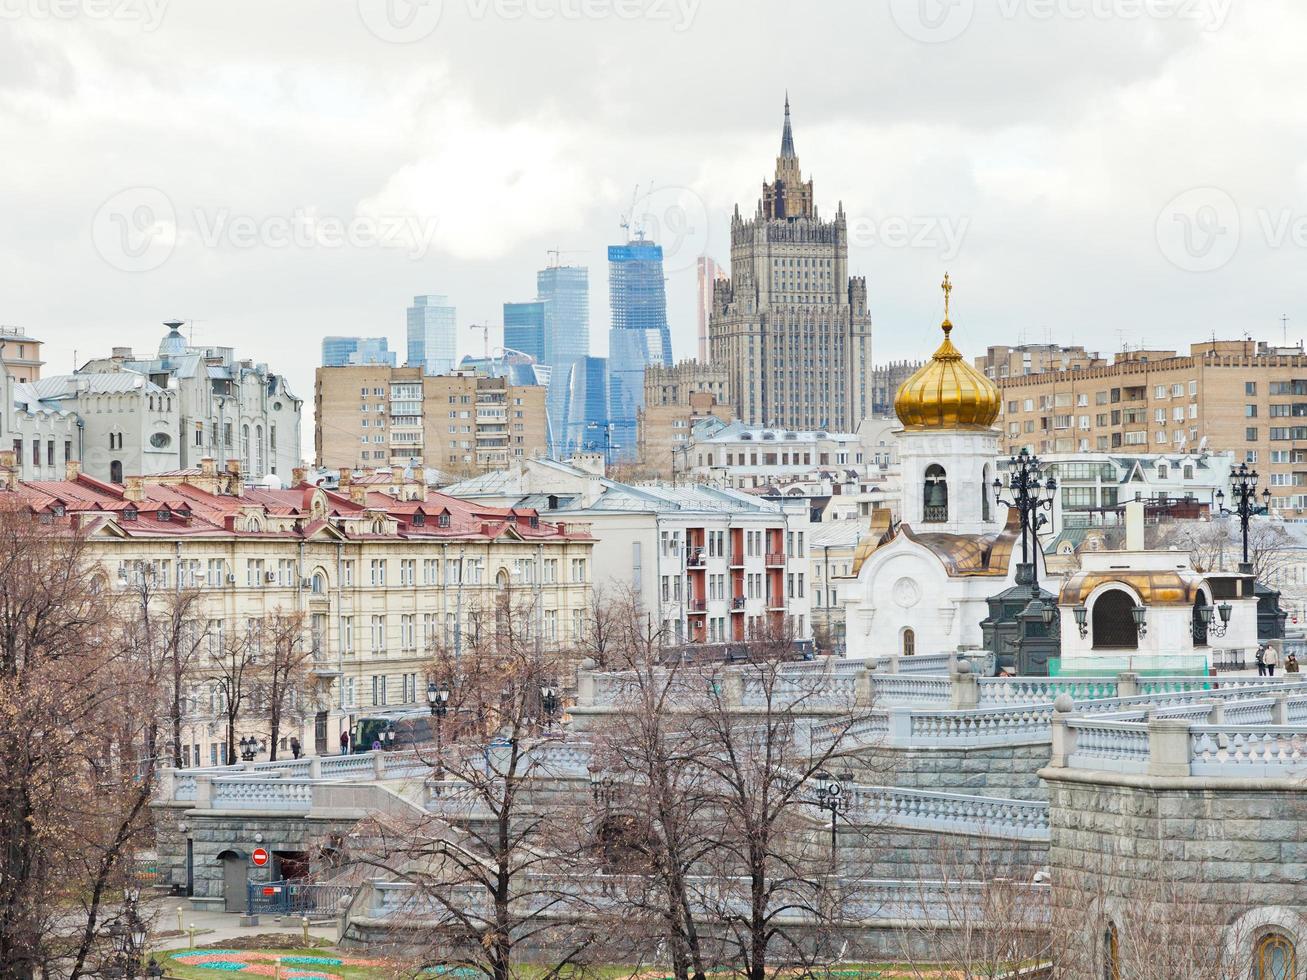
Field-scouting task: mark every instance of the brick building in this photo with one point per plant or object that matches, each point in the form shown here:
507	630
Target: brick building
1239	396
675	399
373	415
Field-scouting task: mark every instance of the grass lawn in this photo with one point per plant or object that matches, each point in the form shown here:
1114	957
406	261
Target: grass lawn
328	964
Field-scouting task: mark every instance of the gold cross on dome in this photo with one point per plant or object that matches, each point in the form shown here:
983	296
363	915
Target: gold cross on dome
947	286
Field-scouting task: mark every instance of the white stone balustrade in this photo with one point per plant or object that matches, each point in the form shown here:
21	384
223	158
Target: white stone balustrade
948	812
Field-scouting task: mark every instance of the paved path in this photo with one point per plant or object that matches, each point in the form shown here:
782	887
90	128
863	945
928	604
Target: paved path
215	927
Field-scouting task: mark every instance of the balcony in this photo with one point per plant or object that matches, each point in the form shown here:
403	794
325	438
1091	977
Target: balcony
736	559
775	601
775	558
695	559
698	606
737	604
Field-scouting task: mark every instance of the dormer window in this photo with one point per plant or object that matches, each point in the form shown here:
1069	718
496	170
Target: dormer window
419	518
443	520
164	515
535	521
129	514
58	510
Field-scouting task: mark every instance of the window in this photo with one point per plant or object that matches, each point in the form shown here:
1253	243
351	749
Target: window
1275	959
578	569
1250	434
909	643
1250	387
1250	411
935	496
1114	622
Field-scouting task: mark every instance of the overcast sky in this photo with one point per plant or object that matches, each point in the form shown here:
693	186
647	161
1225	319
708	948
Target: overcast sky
1090	171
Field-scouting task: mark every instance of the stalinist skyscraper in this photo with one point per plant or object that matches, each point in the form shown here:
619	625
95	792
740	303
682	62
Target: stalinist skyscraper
790	325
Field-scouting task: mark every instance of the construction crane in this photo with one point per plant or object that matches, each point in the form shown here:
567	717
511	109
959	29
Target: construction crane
629	216
557	254
485	335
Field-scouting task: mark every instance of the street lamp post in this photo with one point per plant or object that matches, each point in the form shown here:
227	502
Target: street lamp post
129	936
249	746
1243	486
1027	486
438	699
832	795
548	704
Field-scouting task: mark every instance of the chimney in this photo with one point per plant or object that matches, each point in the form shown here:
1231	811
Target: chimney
1134	525
298	476
72	470
8	469
208	467
121	354
346	477
358	494
134	488
234	468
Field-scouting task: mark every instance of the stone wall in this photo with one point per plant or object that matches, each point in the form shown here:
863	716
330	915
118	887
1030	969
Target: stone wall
886	853
1175	862
1008	772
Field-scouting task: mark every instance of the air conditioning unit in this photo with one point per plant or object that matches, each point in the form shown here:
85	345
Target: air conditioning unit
306	583
231	579
269	576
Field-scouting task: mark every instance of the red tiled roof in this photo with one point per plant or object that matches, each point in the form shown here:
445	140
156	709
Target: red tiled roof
212	513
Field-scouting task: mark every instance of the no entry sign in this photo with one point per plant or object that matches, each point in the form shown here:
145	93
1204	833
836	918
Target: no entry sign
259	857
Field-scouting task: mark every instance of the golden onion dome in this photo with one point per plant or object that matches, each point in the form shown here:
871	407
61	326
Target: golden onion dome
947	392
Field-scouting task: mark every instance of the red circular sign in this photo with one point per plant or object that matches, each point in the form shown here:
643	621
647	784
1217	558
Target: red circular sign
259	857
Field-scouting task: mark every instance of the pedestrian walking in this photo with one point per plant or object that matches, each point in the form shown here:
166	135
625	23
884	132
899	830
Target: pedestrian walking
1271	657
344	742
1261	660
1291	664
295	747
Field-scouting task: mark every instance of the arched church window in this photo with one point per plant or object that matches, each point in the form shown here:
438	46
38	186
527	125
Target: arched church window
1114	622
935	496
1111	953
1275	958
909	642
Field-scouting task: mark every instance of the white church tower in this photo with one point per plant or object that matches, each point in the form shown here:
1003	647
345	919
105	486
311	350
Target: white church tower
948	443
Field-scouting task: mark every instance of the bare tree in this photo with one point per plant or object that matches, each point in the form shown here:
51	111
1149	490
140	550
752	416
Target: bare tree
982	919
646	751
753	737
607	622
77	752
233	665
1143	920
1217	545
507	880
282	674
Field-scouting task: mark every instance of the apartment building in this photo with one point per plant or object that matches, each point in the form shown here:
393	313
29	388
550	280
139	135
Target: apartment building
675	400
710	565
373	415
1224	396
381	582
1013	362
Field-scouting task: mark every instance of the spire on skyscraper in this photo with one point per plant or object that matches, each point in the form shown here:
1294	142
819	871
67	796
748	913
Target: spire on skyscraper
787	136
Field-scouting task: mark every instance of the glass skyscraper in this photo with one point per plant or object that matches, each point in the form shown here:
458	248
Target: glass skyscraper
432	334
554	328
526	328
587	406
639	334
343	351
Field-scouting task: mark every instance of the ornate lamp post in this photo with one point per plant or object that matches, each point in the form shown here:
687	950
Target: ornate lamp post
249	746
438	699
129	938
1027	486
548	704
832	795
1243	486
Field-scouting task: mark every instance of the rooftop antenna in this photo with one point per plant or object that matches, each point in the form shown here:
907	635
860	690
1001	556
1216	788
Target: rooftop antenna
1284	326
485	335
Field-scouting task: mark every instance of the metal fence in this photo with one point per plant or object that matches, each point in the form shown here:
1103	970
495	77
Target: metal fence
299	898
